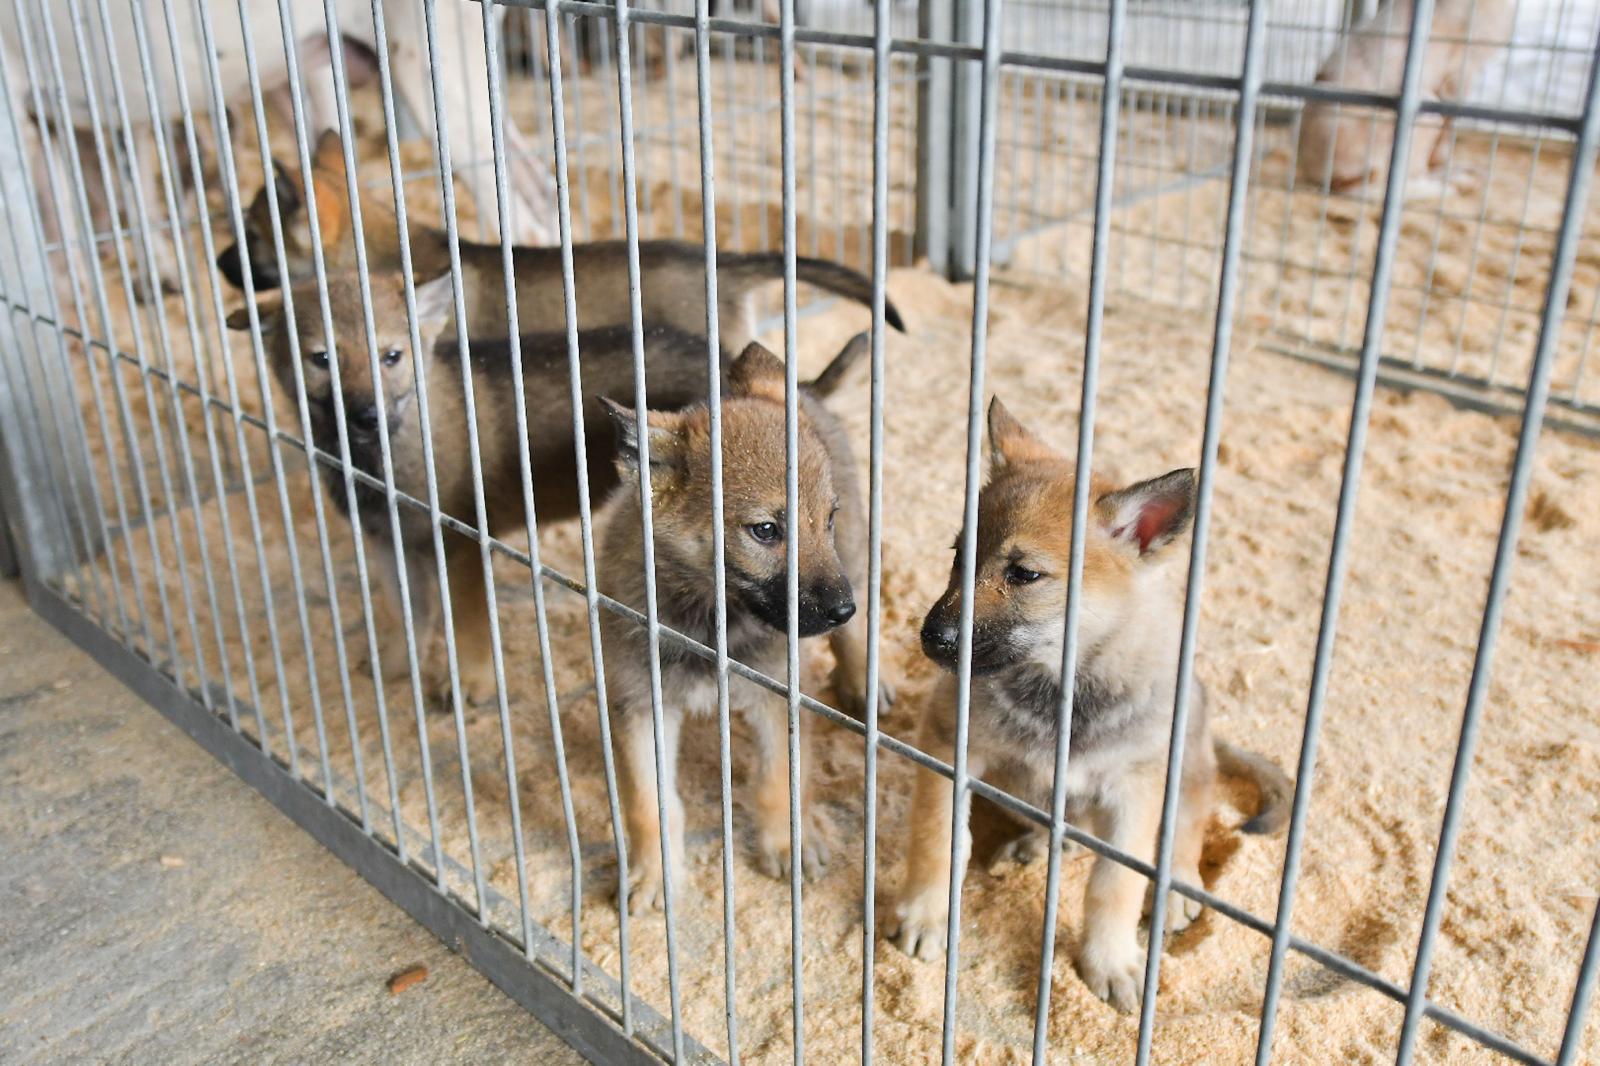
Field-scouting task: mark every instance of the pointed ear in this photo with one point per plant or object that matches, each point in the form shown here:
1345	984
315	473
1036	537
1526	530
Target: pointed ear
757	373
328	182
269	311
1151	514
436	304
328	159
287	187
666	439
1012	442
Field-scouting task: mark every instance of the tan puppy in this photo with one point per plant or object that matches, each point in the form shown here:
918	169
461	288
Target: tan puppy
832	540
1342	147
672	273
1129	622
676	375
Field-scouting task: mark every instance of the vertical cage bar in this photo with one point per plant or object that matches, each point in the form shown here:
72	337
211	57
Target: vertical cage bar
987	121
1582	990
1221	350
791	510
630	205
934	88
1538	393
882	31
1349	489
558	133
380	30
719	563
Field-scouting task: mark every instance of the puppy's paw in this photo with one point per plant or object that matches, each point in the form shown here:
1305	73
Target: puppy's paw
1023	850
850	693
1113	968
477	679
816	851
646	889
918	924
1182	911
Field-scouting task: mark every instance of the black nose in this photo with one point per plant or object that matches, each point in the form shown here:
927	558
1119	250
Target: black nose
362	417
840	613
939	636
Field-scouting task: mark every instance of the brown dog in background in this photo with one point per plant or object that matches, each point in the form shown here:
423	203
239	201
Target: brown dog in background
1129	629
672	275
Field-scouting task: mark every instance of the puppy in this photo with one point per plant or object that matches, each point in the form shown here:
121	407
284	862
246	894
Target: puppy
1342	146
672	273
1129	622
832	537
677	369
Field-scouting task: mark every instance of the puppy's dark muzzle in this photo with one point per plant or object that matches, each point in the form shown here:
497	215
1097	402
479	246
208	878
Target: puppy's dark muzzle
263	271
941	641
822	607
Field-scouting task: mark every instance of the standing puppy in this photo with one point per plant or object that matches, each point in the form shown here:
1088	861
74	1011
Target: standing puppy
1129	622
831	534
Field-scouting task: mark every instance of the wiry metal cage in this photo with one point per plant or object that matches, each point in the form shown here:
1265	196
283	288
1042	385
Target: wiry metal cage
1138	160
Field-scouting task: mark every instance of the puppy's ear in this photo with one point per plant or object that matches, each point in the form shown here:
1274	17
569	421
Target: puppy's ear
436	305
667	445
269	311
328	182
1151	514
1010	441
757	373
287	187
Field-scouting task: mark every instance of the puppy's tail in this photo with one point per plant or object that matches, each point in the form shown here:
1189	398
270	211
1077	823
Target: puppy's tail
1277	790
824	274
823	385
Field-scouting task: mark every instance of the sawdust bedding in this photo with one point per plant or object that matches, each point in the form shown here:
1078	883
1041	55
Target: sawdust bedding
1431	500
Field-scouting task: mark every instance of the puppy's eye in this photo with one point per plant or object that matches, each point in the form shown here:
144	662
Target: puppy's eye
319	360
391	357
765	532
1020	575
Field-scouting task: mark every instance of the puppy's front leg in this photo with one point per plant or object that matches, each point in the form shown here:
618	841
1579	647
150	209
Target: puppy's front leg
1109	958
769	719
645	888
469	608
921	914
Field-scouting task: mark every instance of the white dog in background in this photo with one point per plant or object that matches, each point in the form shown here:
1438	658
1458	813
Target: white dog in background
463	83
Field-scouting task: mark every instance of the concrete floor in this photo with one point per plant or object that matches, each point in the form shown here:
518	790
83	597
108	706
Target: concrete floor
155	909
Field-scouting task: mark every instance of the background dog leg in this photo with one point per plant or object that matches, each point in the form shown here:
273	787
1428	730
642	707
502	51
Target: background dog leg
1109	958
645	888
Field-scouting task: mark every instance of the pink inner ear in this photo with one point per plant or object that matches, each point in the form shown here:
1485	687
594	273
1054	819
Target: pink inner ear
1155	518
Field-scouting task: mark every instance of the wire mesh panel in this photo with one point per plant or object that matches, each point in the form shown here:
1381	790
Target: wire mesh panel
524	439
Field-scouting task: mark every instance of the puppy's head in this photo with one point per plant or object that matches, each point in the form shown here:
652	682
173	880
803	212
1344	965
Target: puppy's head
350	356
333	221
1024	538
756	527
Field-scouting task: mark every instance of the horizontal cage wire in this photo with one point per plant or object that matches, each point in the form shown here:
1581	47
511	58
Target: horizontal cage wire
630	662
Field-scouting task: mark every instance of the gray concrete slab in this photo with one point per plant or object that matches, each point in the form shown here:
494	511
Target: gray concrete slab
155	909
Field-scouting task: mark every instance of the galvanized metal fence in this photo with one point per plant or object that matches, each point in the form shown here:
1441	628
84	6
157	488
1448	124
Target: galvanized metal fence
948	123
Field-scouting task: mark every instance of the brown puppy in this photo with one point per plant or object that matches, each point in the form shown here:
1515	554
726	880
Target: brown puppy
832	537
1343	146
676	363
1129	622
672	273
